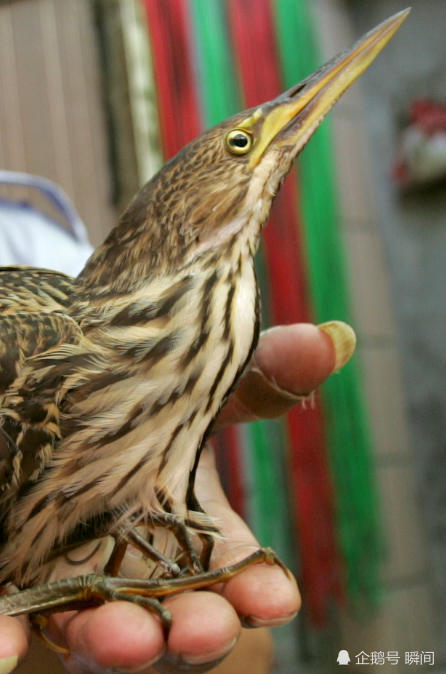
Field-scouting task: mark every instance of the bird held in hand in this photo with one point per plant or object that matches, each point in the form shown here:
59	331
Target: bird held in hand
110	383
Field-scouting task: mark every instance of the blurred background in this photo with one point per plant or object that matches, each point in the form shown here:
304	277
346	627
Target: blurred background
350	489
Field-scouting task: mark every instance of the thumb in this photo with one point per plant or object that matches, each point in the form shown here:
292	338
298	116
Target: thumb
288	364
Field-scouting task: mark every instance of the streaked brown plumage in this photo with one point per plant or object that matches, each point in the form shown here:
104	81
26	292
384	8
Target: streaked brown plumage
111	381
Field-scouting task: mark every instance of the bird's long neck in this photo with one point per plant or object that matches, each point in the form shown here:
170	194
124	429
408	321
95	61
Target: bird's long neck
139	300
161	233
132	264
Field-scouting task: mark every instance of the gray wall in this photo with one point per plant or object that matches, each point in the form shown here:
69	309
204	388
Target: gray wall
413	228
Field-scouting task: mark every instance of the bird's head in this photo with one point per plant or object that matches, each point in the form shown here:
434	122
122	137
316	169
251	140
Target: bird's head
226	178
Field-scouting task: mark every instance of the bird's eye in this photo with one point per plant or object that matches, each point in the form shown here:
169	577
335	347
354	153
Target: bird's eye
238	141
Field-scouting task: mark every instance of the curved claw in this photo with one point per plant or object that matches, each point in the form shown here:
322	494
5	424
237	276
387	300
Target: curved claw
39	622
106	590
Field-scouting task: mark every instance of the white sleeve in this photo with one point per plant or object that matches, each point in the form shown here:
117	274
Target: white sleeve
29	237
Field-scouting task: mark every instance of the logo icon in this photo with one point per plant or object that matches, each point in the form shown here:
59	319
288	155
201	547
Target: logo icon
343	658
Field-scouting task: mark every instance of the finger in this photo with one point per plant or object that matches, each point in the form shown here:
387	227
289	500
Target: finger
117	635
120	636
262	594
14	641
205	628
289	363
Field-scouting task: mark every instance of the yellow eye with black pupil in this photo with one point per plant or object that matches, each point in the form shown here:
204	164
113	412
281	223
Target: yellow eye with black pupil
238	141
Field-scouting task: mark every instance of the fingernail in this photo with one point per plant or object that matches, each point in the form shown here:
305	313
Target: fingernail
8	664
201	662
344	341
202	658
251	621
138	669
78	664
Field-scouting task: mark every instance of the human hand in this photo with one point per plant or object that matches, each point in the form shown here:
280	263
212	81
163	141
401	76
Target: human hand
290	362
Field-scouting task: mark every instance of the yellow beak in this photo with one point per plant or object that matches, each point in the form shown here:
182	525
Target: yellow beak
294	115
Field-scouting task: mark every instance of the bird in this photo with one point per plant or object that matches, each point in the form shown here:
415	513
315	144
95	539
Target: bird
110	382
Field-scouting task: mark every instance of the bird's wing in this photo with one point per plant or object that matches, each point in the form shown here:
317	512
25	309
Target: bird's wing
24	335
33	319
33	303
32	289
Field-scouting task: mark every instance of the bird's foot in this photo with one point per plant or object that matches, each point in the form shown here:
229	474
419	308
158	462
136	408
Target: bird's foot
94	589
80	592
181	532
134	537
68	594
163	587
